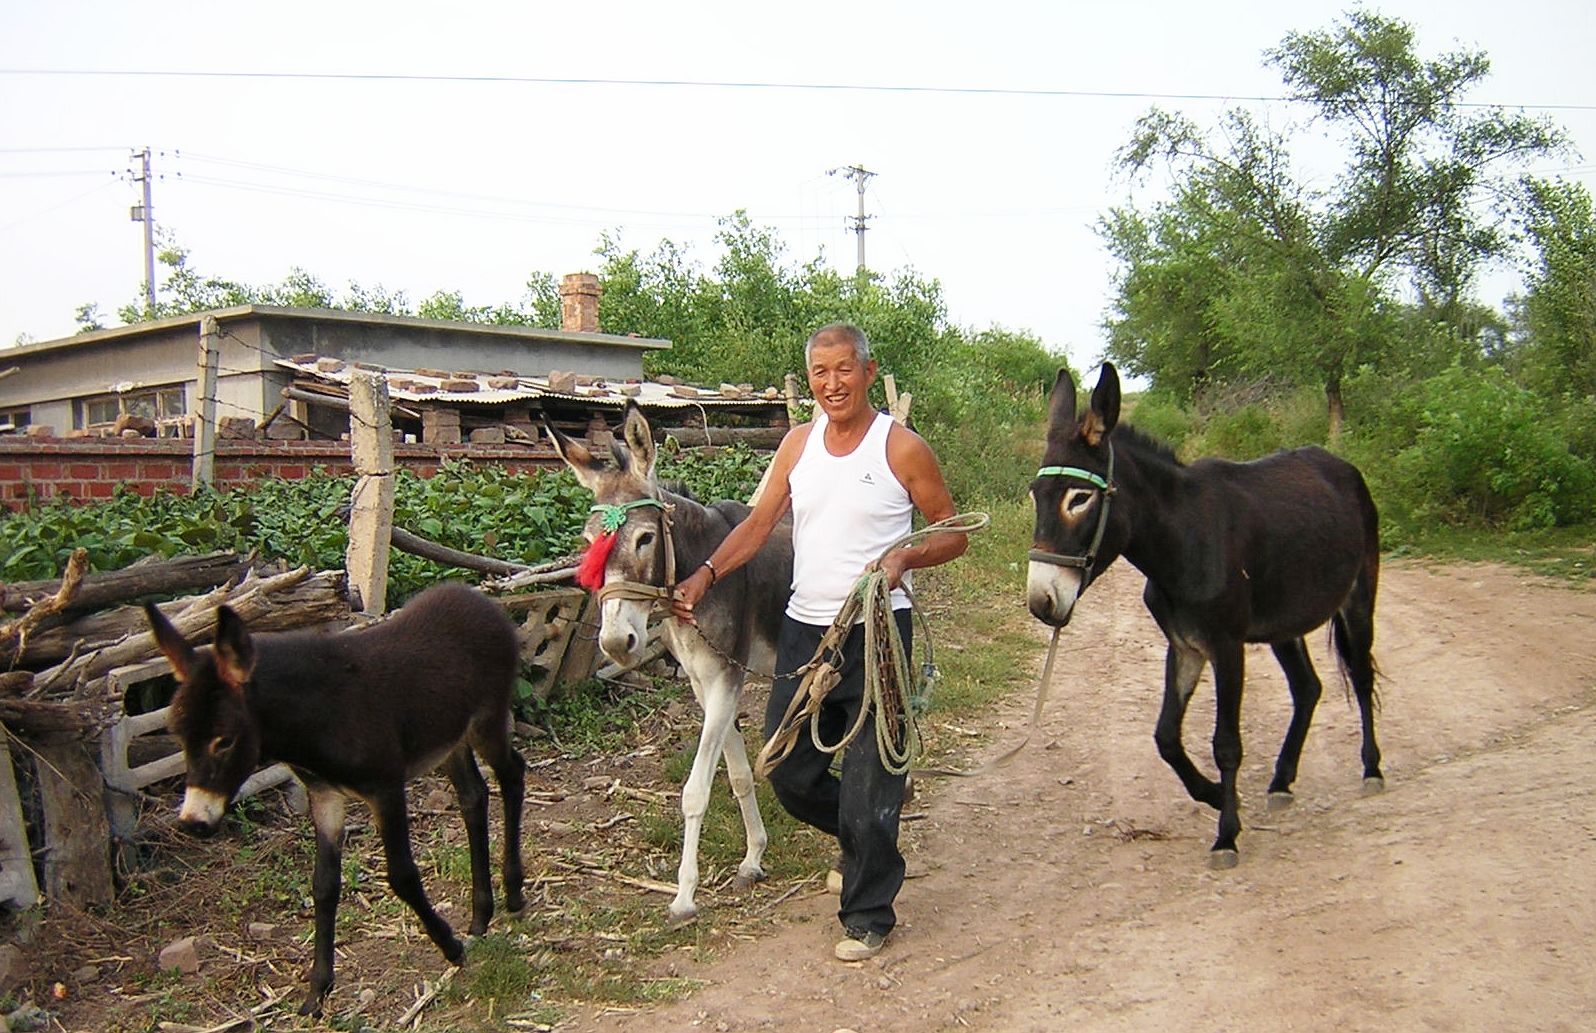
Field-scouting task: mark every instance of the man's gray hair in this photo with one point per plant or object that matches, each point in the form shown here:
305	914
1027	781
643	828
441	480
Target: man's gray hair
840	333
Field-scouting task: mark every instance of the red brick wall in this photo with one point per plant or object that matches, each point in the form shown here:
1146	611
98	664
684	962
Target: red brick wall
91	468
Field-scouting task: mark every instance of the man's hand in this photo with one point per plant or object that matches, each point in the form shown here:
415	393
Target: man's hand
688	594
894	564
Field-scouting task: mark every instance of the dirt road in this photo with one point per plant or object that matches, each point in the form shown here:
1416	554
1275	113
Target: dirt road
1070	890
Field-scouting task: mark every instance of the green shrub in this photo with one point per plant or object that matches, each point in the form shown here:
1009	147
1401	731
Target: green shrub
1241	434
1480	450
1161	414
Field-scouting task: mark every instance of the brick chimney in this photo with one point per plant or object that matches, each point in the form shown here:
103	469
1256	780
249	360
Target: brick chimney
579	301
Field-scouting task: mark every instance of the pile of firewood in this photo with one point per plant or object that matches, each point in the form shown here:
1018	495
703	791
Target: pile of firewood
59	639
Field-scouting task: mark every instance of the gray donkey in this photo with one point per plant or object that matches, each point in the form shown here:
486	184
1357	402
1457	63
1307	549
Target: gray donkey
738	621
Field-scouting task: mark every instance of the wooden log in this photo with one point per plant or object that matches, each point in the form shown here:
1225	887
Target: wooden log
167	577
300	606
16	683
19	887
405	541
261	601
552	572
41	720
14	634
753	437
76	833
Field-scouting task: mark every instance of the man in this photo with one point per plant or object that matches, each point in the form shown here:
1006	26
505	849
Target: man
853	479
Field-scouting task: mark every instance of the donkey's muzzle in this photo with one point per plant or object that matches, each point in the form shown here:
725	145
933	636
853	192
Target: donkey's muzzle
201	814
1051	591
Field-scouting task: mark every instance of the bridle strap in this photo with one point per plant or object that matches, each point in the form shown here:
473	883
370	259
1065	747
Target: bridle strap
642	591
1108	488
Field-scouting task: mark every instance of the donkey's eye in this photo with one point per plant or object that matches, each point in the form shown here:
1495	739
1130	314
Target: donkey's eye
645	539
223	743
1077	500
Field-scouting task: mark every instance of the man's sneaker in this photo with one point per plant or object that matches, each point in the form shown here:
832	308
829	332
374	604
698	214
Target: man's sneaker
834	877
859	946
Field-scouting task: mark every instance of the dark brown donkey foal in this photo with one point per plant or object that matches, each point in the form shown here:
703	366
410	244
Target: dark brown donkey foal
359	714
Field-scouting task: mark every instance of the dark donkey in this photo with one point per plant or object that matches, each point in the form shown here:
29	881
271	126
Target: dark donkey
658	532
359	714
1233	553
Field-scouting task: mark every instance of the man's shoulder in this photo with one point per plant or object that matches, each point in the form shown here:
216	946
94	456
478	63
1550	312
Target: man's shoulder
903	441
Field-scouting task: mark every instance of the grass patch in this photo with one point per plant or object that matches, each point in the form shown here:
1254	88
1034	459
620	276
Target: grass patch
982	635
595	717
1564	553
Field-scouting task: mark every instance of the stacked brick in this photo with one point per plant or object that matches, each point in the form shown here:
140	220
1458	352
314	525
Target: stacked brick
85	469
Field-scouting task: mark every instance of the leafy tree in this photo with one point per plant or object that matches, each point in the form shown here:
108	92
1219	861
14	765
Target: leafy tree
1559	309
1288	280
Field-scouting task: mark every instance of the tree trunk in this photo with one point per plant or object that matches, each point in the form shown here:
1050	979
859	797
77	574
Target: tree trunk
1338	411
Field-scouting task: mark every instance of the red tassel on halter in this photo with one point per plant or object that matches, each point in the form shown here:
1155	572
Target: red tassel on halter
590	572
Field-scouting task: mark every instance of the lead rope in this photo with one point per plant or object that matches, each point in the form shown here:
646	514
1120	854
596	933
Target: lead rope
897	730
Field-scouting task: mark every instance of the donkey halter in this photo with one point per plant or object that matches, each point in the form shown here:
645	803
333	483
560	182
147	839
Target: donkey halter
611	519
1108	488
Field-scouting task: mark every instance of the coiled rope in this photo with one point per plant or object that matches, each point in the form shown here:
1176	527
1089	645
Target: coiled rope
887	682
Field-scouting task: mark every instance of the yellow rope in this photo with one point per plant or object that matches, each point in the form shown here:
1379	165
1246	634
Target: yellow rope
887	675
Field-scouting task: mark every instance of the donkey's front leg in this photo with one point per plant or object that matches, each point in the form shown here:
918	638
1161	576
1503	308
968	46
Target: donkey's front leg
327	813
1183	666
741	777
720	709
1229	670
388	806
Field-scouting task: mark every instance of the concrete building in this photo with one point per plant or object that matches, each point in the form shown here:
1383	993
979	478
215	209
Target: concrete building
81	385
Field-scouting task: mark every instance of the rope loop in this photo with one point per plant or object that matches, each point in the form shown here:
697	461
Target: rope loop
889	691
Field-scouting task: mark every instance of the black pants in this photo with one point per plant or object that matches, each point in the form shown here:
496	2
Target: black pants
861	808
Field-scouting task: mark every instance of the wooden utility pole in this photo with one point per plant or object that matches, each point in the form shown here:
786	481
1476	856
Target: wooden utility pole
205	422
371	509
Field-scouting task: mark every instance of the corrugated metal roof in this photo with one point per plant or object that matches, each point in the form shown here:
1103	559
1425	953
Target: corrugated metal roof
478	388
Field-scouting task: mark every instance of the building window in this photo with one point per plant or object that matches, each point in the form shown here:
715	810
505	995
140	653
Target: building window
14	419
164	405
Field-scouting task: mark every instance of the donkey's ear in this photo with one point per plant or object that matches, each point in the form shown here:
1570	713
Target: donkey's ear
235	650
1104	411
639	439
583	463
1061	407
171	642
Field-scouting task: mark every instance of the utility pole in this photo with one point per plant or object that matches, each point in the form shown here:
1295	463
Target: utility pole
860	175
145	213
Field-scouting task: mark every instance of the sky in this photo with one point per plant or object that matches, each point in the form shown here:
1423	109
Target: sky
453	147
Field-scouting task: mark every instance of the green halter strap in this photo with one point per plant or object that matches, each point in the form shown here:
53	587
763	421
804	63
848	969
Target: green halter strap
614	516
1104	484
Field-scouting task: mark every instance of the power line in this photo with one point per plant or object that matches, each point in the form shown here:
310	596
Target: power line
405	188
994	91
55	150
56	207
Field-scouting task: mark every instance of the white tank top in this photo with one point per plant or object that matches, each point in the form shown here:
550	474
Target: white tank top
845	510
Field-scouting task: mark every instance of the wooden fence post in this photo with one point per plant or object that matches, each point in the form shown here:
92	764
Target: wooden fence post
371	509
18	885
789	385
205	424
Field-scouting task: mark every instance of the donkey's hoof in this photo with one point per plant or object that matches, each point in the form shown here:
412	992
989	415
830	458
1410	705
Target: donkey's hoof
1219	860
745	881
682	914
1373	786
1279	800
